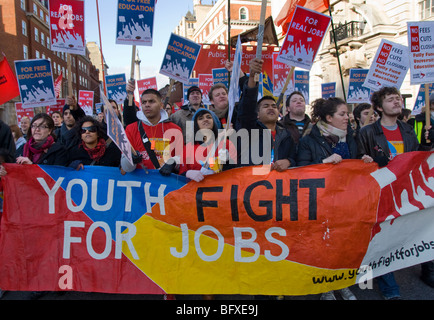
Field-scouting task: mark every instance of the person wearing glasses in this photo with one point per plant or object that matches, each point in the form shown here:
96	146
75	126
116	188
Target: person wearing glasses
91	147
41	147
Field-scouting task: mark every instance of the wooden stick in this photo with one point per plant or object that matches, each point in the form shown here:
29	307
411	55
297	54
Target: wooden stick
260	37
427	110
133	60
68	63
285	86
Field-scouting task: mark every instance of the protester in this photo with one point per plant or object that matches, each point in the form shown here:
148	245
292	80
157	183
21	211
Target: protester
218	96
383	140
196	163
361	113
331	138
296	120
24	125
418	124
41	147
57	118
180	117
6	138
159	134
405	115
72	112
19	139
169	109
263	116
91	147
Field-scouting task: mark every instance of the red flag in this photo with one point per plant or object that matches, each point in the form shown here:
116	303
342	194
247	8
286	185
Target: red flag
285	15
58	85
8	82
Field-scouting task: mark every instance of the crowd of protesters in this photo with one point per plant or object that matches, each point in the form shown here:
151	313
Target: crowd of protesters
287	137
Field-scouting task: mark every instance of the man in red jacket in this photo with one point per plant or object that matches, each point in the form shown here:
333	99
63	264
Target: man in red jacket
153	136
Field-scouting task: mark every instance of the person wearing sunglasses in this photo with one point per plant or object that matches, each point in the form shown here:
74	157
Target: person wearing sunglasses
91	147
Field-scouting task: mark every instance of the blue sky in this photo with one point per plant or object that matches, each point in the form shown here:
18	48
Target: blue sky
168	13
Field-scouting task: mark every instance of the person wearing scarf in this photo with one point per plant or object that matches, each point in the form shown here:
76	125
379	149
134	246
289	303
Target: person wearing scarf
41	147
90	146
331	139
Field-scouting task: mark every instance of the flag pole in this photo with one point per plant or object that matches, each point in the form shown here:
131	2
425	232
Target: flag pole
100	45
133	58
260	38
337	52
427	110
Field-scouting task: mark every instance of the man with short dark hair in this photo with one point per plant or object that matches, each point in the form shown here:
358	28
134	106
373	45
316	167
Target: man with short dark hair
72	112
185	113
263	116
152	134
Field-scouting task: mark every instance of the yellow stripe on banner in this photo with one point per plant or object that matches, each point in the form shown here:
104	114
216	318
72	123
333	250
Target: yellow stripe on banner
192	275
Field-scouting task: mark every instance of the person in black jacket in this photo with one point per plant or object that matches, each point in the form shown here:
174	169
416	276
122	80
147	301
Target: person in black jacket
91	147
331	139
276	146
41	147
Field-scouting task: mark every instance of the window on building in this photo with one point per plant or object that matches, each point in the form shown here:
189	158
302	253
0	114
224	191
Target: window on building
23	4
43	39
48	42
25	52
243	14
37	54
426	9
35	8
24	28
36	35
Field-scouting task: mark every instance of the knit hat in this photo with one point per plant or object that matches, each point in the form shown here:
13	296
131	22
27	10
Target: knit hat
192	89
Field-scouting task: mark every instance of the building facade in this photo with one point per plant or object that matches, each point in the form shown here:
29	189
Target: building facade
24	25
208	24
359	25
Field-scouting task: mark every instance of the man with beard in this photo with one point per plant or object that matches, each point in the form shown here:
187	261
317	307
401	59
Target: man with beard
383	140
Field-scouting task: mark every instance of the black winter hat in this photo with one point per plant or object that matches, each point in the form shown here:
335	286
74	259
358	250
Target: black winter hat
191	89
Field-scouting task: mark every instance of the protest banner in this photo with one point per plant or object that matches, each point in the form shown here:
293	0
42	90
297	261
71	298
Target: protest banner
85	100
185	86
278	233
280	75
220	75
205	84
58	85
389	66
301	83
357	93
421	43
212	56
21	112
58	107
135	22
67	31
115	130
180	58
8	82
116	87
303	39
35	80
420	101
328	90
148	83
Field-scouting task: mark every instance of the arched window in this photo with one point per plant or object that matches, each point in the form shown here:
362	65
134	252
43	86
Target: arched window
244	14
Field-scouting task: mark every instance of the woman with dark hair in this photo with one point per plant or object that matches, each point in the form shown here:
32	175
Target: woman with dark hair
331	139
196	163
41	147
91	147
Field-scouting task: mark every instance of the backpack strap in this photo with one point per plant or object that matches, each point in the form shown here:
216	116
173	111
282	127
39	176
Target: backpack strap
147	145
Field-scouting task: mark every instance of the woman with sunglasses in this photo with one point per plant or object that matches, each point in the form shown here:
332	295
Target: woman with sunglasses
91	147
41	147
